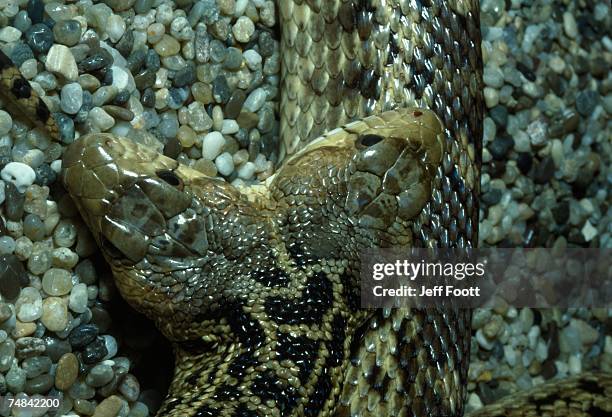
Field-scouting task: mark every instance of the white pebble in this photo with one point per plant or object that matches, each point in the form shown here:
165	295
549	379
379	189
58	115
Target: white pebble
2	194
569	25
253	59
29	68
212	144
225	163
78	298
246	171
240	7
588	231
111	346
6	123
19	174
9	34
474	401
574	364
121	78
229	127
115	27
255	100
61	61
56	166
260	163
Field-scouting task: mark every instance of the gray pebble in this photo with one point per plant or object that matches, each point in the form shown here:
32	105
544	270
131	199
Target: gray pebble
586	102
67	32
71	98
220	89
233	59
100	375
39	37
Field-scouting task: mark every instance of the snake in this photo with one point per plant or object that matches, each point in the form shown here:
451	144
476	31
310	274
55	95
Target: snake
258	287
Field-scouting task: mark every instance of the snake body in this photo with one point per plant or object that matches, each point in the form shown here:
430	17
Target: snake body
258	288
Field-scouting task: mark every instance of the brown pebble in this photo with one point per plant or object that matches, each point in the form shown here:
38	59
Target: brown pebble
23	329
119	112
173	148
67	371
109	407
247	120
234	105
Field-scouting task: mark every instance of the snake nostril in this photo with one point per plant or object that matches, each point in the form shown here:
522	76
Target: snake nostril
370	139
169	177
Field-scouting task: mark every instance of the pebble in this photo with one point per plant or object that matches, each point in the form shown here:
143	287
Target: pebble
71	98
6	123
212	144
61	61
246	171
39	37
101	119
78	298
167	46
67	32
57	282
255	100
569	25
19	174
225	164
83	335
243	29
100	375
55	314
94	351
586	102
109	407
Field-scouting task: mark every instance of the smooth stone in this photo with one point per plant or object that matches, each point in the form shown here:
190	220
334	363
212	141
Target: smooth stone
100	375
39	385
83	335
255	100
130	388
55	314
220	89
586	102
94	351
33	227
61	61
14	202
225	164
18	173
12	276
71	98
167	46
39	37
67	32
57	282
212	144
109	407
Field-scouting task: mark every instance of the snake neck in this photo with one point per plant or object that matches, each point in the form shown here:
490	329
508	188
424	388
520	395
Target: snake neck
285	355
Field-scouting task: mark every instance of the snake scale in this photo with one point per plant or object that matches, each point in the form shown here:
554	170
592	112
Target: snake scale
258	287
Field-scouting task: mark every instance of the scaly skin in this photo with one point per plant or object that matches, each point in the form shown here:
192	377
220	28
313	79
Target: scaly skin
259	287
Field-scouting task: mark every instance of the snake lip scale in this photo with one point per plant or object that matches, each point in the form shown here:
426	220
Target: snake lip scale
258	287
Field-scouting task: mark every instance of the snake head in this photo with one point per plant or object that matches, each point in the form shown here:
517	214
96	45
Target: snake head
170	234
363	185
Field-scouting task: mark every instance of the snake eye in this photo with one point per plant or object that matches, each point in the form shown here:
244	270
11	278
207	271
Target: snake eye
370	139
169	177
